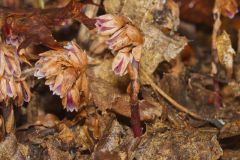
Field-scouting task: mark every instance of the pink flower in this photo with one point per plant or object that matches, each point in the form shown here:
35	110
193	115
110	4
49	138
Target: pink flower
64	71
121	61
126	36
109	24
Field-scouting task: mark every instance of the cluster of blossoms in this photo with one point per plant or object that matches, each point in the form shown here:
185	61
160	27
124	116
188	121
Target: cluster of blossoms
64	71
125	40
12	85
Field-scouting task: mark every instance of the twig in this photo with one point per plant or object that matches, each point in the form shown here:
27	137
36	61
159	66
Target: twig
167	97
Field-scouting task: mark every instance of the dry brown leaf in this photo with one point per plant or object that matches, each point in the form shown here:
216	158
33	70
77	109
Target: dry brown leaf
65	134
48	120
101	90
41	22
189	144
83	138
57	154
9	149
229	154
111	138
230	129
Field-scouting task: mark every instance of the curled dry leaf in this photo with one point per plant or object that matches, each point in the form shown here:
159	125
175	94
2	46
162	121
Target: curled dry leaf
41	23
64	71
225	52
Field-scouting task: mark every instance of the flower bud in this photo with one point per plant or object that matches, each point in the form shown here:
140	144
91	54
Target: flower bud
109	24
121	61
128	35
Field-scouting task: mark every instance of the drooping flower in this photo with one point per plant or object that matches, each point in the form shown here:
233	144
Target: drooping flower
125	40
121	60
228	8
108	24
126	44
64	71
12	86
128	35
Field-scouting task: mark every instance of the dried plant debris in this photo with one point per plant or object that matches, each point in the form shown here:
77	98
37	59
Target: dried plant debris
230	129
165	143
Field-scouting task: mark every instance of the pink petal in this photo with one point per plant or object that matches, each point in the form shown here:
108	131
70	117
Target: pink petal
70	104
118	68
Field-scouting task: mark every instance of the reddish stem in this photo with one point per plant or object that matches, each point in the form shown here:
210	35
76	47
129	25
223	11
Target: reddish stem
217	96
216	28
133	69
135	120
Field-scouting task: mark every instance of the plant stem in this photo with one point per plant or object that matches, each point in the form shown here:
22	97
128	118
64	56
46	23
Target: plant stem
216	28
133	90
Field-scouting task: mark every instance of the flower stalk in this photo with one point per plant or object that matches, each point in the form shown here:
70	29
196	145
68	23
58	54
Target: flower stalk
126	43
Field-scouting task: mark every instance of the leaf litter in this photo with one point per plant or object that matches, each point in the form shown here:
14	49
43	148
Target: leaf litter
186	88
